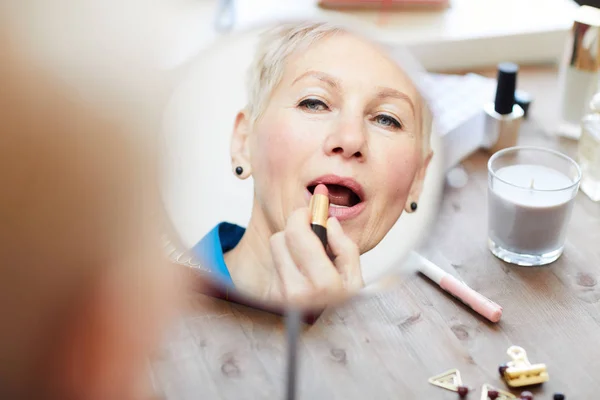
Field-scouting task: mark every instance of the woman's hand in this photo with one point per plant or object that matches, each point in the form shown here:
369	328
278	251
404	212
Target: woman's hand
308	276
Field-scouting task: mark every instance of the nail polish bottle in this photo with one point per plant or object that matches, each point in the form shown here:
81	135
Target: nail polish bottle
579	71
503	117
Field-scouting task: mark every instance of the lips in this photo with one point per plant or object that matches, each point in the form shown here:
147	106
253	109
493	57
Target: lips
346	196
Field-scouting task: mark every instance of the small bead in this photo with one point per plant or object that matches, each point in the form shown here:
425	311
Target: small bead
502	369
413	206
526	396
558	396
493	394
239	170
463	391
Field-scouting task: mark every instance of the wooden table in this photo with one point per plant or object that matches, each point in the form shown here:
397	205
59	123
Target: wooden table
386	345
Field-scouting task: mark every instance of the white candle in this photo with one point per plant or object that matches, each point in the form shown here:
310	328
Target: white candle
529	207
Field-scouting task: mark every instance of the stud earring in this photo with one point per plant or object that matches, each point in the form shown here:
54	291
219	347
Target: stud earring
413	206
239	170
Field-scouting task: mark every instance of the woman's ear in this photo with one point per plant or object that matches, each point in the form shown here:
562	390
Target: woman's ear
417	186
240	146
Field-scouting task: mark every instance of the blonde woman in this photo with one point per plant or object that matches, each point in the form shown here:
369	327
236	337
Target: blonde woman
325	106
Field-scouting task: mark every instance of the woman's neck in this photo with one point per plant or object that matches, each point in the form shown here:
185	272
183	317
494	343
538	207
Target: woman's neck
250	263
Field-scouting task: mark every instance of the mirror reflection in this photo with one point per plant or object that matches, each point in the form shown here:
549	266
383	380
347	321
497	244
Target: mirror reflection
293	153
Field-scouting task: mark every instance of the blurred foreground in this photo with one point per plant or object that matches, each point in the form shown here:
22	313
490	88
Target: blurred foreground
84	290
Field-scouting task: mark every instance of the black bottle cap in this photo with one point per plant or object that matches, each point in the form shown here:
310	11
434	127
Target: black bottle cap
505	91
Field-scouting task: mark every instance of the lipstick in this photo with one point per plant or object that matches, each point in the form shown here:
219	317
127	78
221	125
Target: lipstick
343	205
319	212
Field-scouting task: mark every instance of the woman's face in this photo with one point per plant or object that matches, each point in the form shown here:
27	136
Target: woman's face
345	115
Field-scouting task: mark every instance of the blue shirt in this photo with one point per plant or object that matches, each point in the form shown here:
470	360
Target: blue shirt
211	248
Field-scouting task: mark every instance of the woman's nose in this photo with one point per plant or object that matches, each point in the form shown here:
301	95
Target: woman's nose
349	140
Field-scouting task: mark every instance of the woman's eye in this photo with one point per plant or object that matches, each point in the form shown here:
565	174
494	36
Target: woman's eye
388	121
313	105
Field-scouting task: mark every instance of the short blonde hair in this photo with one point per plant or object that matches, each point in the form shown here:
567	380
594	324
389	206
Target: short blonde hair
277	44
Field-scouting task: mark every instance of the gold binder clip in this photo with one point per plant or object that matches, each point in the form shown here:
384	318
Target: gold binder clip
520	372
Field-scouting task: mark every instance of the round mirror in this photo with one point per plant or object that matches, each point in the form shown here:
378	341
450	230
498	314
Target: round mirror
301	163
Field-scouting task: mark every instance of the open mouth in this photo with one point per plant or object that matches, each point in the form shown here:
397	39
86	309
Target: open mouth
339	195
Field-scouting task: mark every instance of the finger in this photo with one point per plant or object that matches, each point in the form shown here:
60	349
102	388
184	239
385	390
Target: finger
293	284
308	253
346	255
295	288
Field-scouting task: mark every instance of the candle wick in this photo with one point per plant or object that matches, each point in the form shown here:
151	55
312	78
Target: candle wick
531	185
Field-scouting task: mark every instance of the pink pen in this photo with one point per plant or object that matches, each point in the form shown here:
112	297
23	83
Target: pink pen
470	297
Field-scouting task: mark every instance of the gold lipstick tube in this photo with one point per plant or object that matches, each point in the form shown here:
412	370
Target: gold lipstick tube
319	213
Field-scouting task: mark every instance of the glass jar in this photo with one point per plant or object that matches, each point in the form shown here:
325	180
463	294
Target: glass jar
589	151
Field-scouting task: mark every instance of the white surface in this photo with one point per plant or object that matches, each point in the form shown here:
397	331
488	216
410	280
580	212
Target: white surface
470	33
102	33
458	101
464	19
115	50
198	125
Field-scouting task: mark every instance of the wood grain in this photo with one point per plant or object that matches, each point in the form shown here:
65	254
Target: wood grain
385	345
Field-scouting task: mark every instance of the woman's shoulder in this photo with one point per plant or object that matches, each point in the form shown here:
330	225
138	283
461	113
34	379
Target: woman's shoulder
212	247
229	234
225	233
